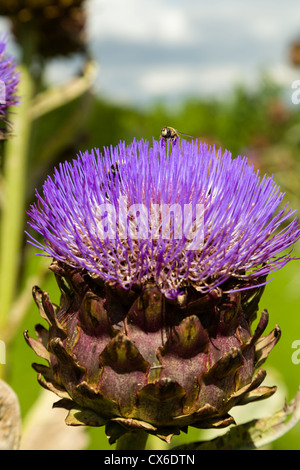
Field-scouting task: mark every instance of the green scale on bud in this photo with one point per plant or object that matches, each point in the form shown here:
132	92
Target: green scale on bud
133	360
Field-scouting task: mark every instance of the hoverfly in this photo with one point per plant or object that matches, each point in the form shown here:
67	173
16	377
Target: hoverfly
169	133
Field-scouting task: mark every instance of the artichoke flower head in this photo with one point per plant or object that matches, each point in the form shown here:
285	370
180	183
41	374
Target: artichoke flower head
161	252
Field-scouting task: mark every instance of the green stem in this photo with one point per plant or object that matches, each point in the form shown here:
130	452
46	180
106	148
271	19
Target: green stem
14	187
14	181
132	441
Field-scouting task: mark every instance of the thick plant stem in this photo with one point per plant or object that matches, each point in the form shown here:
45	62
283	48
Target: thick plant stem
132	441
15	174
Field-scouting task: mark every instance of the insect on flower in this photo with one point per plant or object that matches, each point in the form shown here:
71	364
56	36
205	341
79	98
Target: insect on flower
171	133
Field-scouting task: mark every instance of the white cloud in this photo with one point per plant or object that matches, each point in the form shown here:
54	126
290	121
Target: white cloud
283	74
143	21
177	22
176	81
162	48
165	80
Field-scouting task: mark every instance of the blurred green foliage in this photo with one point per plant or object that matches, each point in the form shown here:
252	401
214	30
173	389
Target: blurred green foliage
259	124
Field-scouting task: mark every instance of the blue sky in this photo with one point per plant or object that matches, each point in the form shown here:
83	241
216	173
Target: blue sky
165	50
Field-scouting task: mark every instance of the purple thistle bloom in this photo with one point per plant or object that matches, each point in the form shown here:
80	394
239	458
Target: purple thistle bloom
9	80
240	238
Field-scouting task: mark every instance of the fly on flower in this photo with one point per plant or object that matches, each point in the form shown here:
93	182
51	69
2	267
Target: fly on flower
169	133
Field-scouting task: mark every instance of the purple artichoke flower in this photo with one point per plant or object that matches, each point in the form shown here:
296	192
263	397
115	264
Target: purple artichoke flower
9	80
241	237
161	254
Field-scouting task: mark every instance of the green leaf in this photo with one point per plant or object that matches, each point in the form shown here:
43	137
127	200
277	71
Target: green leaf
83	417
254	434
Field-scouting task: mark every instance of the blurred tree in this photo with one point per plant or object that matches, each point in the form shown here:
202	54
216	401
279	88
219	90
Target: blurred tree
57	27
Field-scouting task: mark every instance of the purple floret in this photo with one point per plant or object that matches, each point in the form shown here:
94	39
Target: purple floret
244	233
9	80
